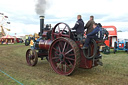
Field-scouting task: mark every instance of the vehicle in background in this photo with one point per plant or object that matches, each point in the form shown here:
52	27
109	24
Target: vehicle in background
121	45
19	40
112	35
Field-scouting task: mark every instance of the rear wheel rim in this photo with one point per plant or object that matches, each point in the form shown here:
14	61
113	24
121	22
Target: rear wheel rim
62	56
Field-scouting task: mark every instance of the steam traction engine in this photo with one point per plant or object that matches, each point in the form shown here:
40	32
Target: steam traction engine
63	50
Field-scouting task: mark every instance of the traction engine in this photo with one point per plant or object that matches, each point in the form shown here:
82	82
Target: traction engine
62	49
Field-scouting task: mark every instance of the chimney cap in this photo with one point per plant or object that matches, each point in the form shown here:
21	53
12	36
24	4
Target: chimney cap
41	17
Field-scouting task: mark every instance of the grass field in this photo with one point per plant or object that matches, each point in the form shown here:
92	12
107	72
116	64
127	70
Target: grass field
12	61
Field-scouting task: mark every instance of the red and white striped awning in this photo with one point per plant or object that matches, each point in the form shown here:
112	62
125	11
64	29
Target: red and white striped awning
7	37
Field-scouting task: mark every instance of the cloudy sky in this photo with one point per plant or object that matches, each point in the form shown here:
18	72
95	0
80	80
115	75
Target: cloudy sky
25	20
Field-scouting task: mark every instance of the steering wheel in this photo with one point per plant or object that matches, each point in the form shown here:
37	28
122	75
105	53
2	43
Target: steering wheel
59	31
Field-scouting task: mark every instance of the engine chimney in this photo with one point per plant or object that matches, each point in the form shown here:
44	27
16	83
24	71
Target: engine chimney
41	25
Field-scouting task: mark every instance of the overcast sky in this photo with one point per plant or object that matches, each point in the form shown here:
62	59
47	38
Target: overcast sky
24	19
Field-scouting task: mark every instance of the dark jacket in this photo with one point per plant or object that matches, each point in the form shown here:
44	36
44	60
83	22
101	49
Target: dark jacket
89	26
94	32
79	26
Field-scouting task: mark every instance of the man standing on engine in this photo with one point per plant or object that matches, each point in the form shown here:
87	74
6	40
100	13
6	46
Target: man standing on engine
89	25
79	27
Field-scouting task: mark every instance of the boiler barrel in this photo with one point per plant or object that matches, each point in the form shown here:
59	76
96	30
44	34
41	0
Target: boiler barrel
44	44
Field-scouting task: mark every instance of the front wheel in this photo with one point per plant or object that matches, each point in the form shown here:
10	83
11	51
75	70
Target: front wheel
31	57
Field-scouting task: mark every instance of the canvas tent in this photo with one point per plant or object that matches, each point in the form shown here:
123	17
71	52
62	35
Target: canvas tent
7	39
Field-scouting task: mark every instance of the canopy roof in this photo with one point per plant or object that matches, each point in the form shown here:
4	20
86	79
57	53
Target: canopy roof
7	37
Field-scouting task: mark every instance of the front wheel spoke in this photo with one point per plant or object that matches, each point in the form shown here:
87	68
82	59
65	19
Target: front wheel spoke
31	52
30	57
33	60
29	60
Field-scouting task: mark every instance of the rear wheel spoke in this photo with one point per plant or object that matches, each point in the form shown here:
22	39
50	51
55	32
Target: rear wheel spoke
70	58
67	65
58	65
59	49
70	54
55	58
62	67
67	47
61	46
57	54
65	68
70	63
64	47
56	50
57	61
68	51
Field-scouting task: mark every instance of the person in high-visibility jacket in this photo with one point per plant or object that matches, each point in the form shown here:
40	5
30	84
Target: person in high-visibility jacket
31	43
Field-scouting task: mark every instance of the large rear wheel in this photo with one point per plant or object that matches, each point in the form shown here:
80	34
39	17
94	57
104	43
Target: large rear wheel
64	56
